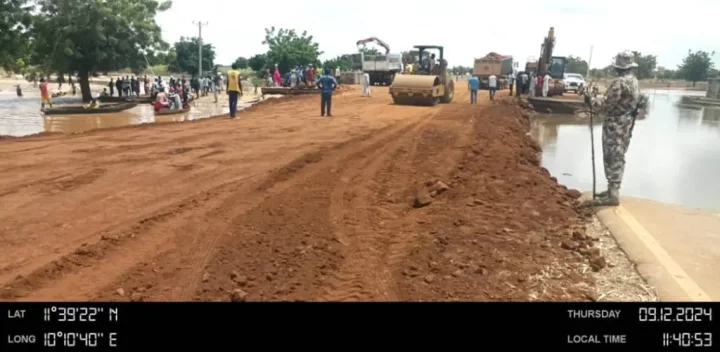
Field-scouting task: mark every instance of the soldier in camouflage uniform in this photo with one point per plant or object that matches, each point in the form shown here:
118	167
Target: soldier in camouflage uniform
619	106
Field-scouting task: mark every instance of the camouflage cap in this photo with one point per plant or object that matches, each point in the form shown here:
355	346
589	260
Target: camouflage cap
625	60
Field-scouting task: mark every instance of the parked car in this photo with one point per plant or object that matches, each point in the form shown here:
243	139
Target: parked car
574	82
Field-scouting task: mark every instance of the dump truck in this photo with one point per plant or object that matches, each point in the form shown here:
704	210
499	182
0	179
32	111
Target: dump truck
493	64
381	68
429	84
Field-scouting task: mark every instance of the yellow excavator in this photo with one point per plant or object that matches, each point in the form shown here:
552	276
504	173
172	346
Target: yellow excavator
429	84
553	65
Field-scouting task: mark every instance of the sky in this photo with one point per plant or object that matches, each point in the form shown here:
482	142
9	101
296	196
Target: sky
467	29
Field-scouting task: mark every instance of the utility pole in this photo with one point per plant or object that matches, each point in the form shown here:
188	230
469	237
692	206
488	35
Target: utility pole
200	45
587	74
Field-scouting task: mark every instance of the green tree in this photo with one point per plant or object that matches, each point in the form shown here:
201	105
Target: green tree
646	65
241	62
258	63
343	62
15	23
88	36
19	65
287	49
186	56
576	65
663	73
696	66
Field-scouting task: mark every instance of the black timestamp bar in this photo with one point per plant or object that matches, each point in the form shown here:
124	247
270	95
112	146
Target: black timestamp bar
210	326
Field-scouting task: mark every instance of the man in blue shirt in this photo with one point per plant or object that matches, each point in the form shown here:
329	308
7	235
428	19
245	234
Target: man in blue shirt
327	84
473	86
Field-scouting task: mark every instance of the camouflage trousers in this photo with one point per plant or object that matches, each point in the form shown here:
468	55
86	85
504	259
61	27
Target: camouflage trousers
615	142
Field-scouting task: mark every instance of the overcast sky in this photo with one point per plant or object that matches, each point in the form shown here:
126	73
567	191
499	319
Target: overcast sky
466	28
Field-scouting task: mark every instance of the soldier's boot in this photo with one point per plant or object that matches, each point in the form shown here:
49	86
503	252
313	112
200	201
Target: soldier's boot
611	198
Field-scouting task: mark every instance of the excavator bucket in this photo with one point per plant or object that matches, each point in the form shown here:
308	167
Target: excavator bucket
416	90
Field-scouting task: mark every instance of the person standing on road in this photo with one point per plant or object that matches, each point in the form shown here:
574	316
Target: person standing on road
492	86
217	81
366	84
546	84
112	87
234	89
44	94
618	107
511	81
277	79
473	86
118	85
327	84
533	84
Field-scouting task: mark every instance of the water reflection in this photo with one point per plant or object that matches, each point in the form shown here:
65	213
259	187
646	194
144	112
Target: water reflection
674	155
22	116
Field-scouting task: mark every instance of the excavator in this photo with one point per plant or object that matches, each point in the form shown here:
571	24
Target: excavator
554	65
363	42
429	84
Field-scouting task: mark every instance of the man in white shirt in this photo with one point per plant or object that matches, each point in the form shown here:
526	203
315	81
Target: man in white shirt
492	86
546	84
511	81
366	84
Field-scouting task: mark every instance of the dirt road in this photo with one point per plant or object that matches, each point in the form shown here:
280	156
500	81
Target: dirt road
284	205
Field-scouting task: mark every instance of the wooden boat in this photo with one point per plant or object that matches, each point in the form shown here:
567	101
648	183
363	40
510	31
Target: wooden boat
103	109
114	99
168	111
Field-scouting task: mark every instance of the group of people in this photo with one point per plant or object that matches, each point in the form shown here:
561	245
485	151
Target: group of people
128	86
524	84
300	74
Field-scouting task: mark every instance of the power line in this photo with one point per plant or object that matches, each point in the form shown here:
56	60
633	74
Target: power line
200	45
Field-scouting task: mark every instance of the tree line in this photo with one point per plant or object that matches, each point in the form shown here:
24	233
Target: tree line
87	37
697	66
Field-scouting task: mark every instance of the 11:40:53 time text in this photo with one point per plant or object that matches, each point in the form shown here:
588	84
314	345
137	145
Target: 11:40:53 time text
675	314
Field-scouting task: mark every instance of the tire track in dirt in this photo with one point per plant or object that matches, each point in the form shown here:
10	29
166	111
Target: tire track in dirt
370	206
361	276
156	283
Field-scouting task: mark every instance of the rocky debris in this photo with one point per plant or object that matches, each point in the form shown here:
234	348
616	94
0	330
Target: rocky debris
569	245
120	292
422	198
137	297
238	295
429	278
597	262
205	277
575	194
438	187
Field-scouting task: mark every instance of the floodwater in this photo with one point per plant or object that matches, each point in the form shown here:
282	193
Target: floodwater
674	155
22	116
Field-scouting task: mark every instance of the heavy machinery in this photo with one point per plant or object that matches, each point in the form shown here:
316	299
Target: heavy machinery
554	65
493	64
429	84
381	68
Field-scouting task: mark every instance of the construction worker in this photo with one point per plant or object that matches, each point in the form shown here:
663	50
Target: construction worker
366	84
327	84
619	106
546	84
234	89
473	86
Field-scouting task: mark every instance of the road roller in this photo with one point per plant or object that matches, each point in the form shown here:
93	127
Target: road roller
429	84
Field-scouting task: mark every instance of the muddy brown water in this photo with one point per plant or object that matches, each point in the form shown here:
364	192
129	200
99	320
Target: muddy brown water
674	155
22	116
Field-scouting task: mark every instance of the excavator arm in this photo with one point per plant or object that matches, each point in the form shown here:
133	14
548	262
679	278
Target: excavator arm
361	43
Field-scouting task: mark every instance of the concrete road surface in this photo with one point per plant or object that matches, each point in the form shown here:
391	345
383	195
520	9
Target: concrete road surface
676	249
